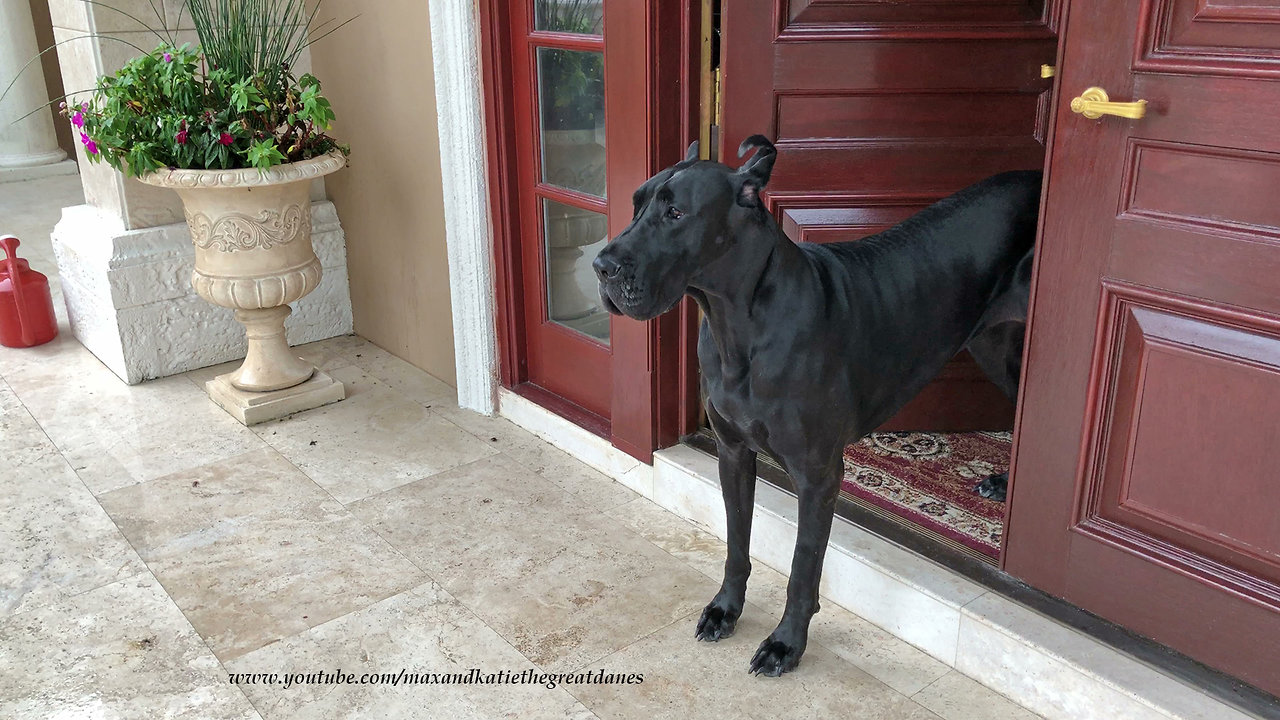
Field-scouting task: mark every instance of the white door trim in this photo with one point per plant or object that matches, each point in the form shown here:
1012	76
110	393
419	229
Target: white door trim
455	33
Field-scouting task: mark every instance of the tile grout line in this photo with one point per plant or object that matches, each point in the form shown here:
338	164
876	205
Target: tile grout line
765	611
267	446
92	495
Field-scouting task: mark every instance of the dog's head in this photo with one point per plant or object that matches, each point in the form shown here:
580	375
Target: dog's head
685	218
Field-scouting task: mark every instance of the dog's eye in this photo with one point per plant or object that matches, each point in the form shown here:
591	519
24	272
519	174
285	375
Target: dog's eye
675	213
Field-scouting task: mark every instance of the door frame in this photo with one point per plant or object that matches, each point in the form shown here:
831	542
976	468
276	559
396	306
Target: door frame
654	373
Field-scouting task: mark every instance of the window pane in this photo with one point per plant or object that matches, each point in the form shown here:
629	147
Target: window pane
571	16
571	102
574	236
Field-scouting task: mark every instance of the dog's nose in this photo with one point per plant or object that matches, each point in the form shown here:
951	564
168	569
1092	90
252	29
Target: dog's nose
606	267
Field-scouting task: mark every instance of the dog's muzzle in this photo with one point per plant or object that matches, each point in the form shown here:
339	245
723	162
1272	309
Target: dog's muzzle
617	284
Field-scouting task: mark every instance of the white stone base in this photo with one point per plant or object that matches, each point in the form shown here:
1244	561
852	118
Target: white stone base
1039	663
251	408
130	301
35	172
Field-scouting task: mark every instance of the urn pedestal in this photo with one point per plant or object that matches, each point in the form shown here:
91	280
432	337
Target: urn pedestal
252	236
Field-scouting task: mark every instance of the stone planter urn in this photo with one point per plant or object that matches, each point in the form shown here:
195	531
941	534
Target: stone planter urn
252	235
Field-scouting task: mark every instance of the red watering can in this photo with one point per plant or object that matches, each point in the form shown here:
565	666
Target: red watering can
26	308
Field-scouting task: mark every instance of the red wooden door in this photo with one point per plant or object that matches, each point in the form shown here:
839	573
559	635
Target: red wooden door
565	110
1146	474
879	109
584	100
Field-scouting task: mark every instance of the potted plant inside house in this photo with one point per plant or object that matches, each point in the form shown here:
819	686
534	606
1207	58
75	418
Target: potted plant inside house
571	105
239	136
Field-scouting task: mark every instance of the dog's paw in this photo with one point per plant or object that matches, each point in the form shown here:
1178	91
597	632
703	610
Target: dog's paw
994	487
775	657
716	623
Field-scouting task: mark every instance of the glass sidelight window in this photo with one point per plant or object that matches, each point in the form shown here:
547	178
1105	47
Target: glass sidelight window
569	72
583	17
571	105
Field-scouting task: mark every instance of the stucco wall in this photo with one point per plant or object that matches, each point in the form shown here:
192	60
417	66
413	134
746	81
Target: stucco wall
377	71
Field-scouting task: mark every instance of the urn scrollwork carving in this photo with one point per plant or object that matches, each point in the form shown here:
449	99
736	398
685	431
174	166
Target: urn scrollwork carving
234	231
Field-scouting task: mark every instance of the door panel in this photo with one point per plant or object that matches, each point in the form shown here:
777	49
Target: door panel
560	96
878	110
1145	473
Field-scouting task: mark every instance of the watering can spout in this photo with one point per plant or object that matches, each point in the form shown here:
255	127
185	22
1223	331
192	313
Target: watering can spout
26	306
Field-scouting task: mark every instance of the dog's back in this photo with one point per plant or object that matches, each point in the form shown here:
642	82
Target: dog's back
918	290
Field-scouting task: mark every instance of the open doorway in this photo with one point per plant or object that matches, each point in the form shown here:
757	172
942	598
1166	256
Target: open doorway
878	111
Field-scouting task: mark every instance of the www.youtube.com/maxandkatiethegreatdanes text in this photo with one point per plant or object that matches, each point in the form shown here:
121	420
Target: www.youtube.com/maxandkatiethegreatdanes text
474	676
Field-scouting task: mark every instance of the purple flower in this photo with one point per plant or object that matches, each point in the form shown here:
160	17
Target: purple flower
84	106
78	119
168	57
84	138
92	147
226	139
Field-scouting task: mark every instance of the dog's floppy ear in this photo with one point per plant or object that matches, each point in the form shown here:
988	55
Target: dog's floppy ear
692	154
754	174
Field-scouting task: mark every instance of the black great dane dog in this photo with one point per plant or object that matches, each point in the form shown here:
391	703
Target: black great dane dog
805	348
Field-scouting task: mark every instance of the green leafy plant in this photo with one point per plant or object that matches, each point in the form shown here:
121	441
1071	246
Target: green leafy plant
571	81
233	102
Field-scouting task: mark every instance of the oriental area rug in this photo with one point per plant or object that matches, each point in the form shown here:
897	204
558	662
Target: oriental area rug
927	479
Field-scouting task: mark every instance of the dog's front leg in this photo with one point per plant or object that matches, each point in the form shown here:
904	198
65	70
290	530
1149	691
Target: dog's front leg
781	651
738	486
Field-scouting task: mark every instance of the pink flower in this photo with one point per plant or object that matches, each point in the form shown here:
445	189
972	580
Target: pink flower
226	139
168	57
84	139
78	119
181	137
92	147
84	106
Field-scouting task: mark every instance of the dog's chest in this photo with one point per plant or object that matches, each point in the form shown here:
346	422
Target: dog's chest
736	397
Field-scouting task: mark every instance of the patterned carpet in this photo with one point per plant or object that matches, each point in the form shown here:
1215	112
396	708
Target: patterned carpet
928	479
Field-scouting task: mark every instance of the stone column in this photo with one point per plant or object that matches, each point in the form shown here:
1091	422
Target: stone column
28	148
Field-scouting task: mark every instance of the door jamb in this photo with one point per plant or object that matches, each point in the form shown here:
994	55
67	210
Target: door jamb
455	51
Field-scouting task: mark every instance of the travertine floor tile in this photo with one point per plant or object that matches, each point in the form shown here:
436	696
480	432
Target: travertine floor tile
121	651
684	679
115	435
371	442
253	551
562	583
956	697
570	474
408	381
499	431
58	541
423	630
898	664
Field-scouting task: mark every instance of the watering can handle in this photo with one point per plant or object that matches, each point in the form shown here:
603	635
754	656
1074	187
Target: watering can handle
10	245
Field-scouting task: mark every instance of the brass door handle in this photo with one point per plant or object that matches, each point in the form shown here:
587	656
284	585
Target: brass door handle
1094	103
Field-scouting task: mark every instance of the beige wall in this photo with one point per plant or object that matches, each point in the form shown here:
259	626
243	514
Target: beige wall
52	75
377	72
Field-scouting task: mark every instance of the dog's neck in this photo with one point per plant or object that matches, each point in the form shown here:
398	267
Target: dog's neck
726	289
